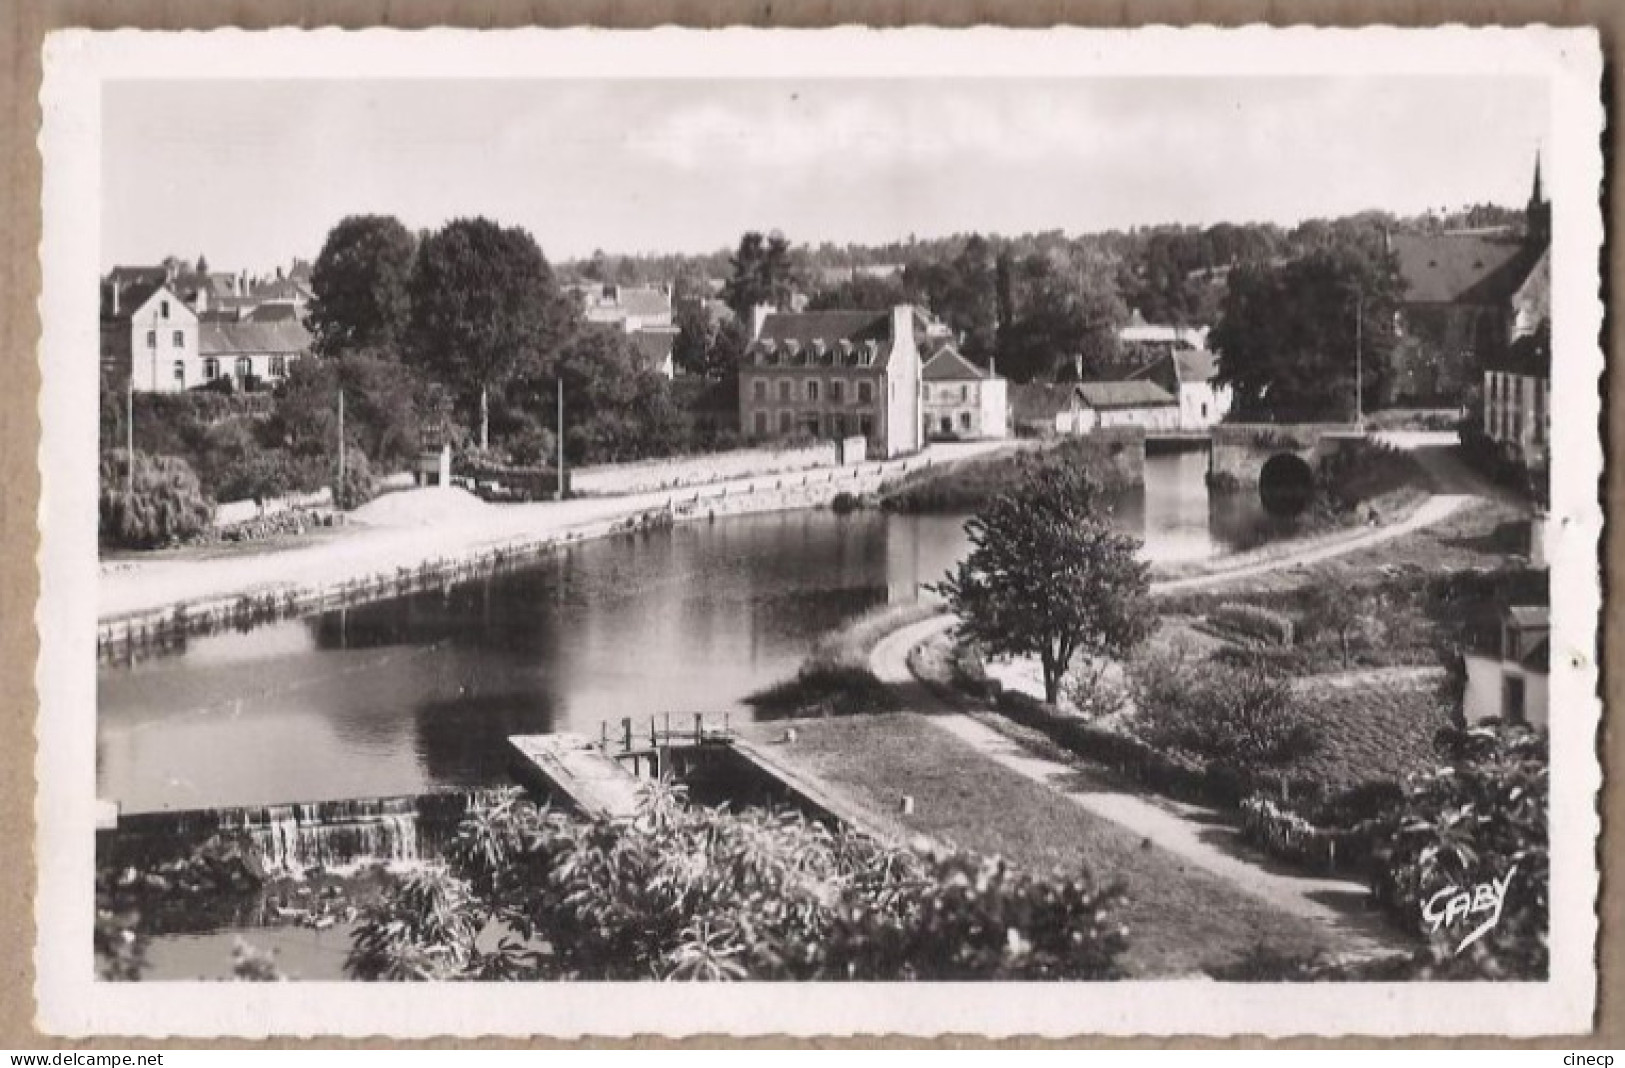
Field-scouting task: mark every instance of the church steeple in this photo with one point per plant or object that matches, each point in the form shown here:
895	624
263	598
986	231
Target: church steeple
1538	213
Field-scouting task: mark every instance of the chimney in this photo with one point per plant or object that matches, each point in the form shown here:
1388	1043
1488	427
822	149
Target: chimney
758	317
993	366
202	299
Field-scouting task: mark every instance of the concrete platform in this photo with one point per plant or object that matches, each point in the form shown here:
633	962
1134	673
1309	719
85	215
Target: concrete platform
574	773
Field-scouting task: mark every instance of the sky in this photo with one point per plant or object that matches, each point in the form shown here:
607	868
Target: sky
252	173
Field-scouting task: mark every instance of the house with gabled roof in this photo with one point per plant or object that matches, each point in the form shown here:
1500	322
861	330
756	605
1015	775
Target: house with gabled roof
148	331
642	313
1105	405
253	355
837	374
1460	303
1507	675
962	401
1191	377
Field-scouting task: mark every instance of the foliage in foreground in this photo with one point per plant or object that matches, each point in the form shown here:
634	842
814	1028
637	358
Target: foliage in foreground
1048	576
686	892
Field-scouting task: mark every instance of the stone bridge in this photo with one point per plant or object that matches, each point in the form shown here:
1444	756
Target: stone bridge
1240	450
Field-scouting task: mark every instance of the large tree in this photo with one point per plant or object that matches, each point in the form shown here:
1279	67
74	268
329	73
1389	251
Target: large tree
1293	339
360	281
763	273
485	307
1064	313
1048	576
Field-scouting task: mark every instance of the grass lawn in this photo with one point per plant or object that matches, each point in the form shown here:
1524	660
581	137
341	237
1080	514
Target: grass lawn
1180	917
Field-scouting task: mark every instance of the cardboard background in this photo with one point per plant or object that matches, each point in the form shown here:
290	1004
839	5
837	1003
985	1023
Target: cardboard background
23	24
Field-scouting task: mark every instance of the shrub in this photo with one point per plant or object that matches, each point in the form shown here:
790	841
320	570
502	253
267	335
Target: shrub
1483	817
358	486
971	484
167	505
685	892
1253	621
845	503
1097	689
1240	716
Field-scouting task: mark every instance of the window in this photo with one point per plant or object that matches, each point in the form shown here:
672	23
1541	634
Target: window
1204	409
837	391
866	392
964	420
964	393
866	425
809	425
947	425
211	369
837	426
761	422
812	389
152	339
179	373
784	390
177	340
786	422
163	309
245	367
758	389
279	366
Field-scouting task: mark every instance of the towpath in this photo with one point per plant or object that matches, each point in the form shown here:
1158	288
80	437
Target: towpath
158	581
1202	837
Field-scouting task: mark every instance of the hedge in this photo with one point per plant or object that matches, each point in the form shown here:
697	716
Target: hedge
1253	622
1286	835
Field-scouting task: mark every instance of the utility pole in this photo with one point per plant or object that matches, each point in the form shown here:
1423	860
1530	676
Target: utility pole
339	494
560	437
129	440
1359	359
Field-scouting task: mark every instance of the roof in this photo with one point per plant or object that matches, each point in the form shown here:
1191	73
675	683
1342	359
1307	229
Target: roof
827	326
654	344
1180	366
1460	268
1525	615
1136	393
949	366
1539	656
279	289
132	293
215	338
625	302
151	277
275	311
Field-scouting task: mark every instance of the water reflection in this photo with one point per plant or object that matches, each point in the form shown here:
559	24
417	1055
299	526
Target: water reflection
419	692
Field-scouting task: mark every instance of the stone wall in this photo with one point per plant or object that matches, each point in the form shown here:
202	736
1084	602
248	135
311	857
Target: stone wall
1240	450
614	479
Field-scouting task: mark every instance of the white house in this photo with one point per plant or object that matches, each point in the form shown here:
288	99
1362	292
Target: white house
1510	681
148	329
642	313
253	355
962	400
1118	404
1191	376
1139	332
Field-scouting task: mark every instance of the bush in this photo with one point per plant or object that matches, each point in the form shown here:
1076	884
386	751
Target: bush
969	485
845	503
1253	621
358	486
1483	817
167	506
1244	717
694	893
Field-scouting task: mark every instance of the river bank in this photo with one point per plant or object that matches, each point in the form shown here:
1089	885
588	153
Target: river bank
363	561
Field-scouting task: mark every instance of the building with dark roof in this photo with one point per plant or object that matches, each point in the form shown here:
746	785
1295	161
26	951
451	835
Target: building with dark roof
1459	309
1133	403
1191	377
837	374
961	400
254	355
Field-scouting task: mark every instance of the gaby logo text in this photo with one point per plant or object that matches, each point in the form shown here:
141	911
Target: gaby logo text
1455	905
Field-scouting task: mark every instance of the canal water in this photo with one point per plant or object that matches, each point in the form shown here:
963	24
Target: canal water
418	693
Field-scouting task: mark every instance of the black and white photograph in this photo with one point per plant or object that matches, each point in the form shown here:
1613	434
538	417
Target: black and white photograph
1043	532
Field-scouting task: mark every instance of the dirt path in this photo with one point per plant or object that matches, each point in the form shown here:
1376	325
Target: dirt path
1200	836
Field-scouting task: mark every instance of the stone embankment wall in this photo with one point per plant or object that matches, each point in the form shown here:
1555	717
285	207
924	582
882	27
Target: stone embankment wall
118	639
677	472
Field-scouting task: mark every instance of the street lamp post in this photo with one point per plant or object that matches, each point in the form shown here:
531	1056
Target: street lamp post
1359	358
